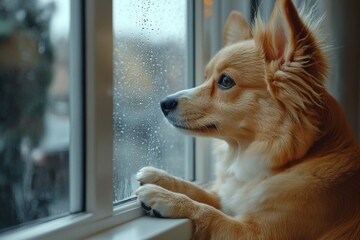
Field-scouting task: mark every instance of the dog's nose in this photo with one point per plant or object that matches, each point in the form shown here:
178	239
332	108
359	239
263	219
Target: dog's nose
168	104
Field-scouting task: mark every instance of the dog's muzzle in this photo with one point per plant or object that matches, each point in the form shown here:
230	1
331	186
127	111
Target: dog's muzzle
171	102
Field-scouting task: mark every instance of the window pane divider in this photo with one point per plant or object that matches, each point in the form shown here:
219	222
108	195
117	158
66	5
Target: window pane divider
99	127
202	145
76	108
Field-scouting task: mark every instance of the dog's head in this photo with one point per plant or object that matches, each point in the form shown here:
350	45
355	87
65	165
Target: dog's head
263	90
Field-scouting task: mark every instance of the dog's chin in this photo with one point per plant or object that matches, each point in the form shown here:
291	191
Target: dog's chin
207	129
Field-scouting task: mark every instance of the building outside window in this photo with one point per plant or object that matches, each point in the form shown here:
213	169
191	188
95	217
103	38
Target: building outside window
34	115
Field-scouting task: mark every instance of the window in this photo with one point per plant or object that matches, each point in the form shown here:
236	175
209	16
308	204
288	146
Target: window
81	44
34	111
151	60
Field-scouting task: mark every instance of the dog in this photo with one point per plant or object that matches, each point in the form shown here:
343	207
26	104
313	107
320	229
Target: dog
291	167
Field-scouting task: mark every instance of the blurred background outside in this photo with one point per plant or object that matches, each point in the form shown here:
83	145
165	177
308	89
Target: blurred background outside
34	110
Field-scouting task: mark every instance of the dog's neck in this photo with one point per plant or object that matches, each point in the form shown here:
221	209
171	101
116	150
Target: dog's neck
336	134
243	165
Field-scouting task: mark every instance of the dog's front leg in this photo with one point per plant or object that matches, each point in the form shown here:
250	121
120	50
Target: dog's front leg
161	178
208	222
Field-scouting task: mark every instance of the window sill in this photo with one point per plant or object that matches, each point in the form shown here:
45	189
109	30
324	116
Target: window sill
149	228
128	223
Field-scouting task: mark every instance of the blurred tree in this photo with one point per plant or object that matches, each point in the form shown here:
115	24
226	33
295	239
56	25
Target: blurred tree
26	59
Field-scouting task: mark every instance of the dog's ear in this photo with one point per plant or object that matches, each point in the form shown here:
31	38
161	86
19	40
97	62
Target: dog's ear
284	31
295	64
236	29
286	37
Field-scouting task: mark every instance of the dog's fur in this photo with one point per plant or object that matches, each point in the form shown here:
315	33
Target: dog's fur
291	167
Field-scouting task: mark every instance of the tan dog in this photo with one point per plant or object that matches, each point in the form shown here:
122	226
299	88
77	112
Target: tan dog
291	168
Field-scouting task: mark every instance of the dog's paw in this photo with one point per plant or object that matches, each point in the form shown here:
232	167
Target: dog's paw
151	175
160	202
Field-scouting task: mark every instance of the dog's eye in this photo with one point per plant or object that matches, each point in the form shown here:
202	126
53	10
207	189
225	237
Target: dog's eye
225	82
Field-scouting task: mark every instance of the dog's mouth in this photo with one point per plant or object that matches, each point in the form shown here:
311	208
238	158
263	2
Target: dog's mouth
197	129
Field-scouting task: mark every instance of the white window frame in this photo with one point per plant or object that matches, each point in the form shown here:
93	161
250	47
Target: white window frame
94	58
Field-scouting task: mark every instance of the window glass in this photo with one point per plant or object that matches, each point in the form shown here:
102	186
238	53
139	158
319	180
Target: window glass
34	110
150	62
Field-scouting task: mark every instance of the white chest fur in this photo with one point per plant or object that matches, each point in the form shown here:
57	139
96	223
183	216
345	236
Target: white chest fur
239	180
